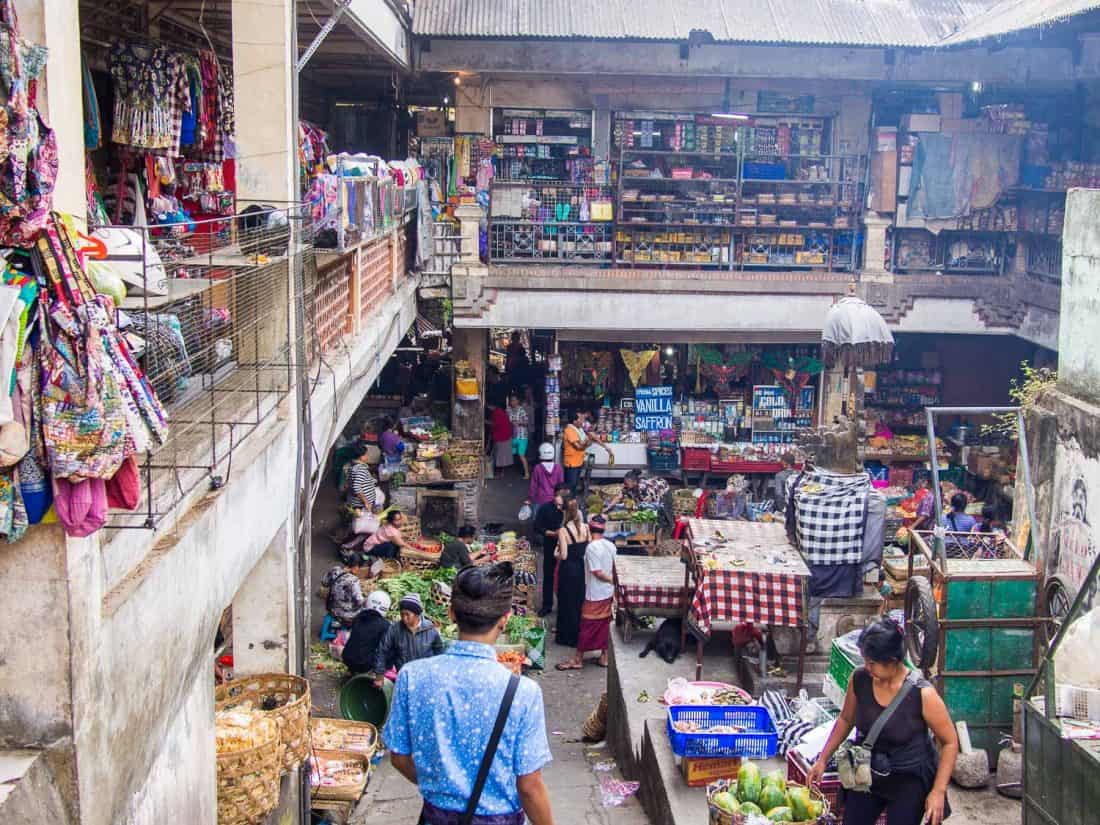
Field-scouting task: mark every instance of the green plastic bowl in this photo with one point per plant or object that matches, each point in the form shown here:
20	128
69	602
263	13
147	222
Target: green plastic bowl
361	701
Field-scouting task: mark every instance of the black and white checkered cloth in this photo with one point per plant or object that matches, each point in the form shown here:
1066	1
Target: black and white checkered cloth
830	512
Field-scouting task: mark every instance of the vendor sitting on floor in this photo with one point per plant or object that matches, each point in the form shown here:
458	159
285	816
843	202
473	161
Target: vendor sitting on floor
456	552
343	592
414	637
641	490
387	542
367	632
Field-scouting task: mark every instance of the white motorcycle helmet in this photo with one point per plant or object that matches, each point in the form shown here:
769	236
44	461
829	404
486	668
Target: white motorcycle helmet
546	452
379	601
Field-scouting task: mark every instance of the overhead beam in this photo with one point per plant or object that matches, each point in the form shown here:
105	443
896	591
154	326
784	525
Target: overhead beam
382	25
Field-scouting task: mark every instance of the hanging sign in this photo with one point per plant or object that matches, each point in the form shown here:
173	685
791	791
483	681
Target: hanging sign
653	408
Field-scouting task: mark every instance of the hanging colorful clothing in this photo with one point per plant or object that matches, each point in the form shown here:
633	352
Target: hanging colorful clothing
151	95
93	129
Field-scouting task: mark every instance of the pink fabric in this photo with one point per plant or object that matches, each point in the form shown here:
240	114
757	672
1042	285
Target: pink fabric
82	507
387	532
543	482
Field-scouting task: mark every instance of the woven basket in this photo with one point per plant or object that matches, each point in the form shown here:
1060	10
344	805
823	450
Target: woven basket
410	530
418	564
360	737
720	817
248	783
460	467
292	704
460	447
343	793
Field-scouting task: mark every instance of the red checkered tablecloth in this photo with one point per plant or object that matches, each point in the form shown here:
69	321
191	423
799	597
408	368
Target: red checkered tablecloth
648	583
755	575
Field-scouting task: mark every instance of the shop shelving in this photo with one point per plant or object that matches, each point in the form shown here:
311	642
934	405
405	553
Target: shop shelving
953	251
531	222
809	194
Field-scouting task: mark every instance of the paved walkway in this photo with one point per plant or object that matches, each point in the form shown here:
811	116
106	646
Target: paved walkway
571	778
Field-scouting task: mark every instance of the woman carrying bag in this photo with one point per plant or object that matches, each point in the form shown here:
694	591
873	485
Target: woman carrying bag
893	764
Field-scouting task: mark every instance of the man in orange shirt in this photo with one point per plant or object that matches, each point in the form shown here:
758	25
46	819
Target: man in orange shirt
575	442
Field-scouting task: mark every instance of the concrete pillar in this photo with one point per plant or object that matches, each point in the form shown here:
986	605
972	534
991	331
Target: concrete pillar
469	220
264	83
1078	333
55	24
471	344
874	248
263	620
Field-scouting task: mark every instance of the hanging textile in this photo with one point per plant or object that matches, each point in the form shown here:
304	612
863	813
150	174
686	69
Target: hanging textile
636	363
93	129
151	95
28	147
722	372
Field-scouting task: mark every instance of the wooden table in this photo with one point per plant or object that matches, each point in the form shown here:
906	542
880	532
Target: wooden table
746	572
651	586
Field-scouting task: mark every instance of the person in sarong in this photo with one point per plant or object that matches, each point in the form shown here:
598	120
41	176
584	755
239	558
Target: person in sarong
599	589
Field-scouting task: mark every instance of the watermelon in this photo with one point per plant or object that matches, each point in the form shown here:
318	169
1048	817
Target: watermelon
771	797
781	814
748	783
725	801
800	803
750	808
777	778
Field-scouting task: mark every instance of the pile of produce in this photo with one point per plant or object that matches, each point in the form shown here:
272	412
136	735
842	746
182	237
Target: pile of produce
421	584
332	734
512	659
768	796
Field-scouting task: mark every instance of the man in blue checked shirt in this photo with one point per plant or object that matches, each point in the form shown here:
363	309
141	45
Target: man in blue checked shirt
445	708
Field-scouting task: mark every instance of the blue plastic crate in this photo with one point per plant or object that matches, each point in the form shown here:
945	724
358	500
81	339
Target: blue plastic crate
758	741
662	461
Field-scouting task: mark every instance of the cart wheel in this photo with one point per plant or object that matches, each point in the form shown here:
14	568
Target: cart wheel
922	626
1058	600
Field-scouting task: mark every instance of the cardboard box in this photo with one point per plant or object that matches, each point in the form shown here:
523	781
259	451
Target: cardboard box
951	104
431	124
921	123
886	139
884	181
698	773
959	125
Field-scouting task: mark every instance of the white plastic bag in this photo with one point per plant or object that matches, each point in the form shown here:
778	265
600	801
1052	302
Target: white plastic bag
524	512
365	524
1075	662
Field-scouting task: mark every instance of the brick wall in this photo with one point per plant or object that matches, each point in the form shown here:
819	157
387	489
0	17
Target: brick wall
375	275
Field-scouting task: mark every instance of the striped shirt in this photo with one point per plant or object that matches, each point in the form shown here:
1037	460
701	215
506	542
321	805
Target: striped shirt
361	485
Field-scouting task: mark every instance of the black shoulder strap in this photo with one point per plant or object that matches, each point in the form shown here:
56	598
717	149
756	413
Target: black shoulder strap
884	717
490	750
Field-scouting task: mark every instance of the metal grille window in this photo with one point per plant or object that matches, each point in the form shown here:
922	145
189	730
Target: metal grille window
531	222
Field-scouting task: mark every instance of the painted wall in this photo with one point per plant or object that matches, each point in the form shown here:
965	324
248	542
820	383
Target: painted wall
1079	335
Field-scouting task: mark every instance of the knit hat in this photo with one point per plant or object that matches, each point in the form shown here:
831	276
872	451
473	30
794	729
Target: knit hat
411	601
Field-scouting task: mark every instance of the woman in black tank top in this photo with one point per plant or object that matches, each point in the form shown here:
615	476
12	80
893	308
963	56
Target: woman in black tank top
909	779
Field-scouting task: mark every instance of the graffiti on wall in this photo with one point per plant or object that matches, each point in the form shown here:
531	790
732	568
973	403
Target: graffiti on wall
1075	518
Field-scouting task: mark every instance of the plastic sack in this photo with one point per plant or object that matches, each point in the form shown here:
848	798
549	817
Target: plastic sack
365	524
535	639
524	513
1075	663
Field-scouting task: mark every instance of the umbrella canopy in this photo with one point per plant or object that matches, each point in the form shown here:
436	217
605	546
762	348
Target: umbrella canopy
855	335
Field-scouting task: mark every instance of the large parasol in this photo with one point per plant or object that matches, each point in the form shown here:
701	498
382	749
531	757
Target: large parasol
855	336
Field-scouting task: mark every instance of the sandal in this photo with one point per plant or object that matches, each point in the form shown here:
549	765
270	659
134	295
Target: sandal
567	666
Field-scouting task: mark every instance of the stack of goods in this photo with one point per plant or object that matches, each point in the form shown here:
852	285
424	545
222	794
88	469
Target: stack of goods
421	582
344	735
617	426
553	404
771	796
338	775
249	764
1007	119
662	450
1071	174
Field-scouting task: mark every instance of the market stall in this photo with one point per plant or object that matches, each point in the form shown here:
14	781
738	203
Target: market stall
646	586
745	572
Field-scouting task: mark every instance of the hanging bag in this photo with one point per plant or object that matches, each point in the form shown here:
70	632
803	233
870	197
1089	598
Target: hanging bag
853	762
28	147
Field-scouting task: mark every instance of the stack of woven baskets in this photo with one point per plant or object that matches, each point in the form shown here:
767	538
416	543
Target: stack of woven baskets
248	780
684	502
462	461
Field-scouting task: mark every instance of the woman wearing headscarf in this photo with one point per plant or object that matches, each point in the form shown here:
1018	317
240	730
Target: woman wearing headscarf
414	637
573	538
367	632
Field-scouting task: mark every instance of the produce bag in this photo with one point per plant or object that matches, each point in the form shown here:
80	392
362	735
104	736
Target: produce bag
535	639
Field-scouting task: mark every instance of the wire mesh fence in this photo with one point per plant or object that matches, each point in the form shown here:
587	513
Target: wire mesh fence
208	311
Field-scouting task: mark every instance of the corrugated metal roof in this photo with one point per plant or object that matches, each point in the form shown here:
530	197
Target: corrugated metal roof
1011	16
825	22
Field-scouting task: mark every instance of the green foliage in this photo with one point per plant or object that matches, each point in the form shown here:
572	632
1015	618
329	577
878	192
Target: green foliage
1024	392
